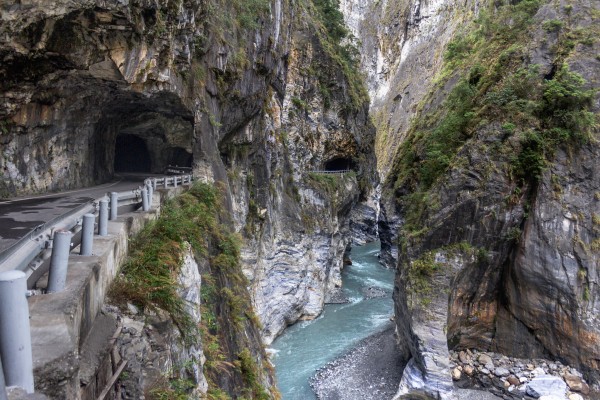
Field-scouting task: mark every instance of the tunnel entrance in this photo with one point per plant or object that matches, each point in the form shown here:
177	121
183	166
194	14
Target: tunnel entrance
339	164
180	157
131	154
142	134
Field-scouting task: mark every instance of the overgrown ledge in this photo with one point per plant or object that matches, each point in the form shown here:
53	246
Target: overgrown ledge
236	364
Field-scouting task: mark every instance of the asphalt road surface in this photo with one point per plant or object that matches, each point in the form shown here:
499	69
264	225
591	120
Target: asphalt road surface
20	215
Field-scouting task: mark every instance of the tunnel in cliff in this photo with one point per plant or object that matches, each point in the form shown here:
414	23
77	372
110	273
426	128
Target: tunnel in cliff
131	154
339	164
143	135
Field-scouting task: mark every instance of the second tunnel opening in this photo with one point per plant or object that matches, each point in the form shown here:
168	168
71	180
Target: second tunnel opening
132	155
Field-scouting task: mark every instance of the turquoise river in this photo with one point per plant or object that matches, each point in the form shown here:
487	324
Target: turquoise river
308	345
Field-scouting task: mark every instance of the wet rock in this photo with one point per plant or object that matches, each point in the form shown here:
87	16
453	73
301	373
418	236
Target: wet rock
337	296
373	292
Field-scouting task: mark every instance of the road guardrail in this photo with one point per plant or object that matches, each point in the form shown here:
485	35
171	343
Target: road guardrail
23	263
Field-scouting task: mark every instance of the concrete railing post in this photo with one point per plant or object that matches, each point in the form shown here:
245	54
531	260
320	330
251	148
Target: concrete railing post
103	218
166	182
59	261
87	235
3	395
145	206
15	333
154	183
150	194
114	205
175	181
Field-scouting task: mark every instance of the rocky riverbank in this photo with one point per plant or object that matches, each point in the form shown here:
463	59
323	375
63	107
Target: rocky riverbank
515	378
370	371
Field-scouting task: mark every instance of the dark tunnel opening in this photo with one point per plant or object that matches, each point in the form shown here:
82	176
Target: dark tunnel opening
339	164
131	154
180	157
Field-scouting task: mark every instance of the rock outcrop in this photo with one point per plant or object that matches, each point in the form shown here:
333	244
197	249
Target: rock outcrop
153	348
493	184
257	97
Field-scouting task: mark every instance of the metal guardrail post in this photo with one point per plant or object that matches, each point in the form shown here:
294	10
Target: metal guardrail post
59	261
114	205
87	235
15	333
3	395
103	218
145	206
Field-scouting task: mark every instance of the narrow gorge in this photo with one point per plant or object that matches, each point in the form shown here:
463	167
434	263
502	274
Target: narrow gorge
462	136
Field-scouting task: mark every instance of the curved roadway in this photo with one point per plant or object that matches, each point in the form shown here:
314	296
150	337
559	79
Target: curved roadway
20	215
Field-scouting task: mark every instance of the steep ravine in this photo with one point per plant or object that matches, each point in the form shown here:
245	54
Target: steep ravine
255	96
487	117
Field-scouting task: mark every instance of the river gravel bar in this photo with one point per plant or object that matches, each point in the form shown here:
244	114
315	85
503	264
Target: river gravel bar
370	371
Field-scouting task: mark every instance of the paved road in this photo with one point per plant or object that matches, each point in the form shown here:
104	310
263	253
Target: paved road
19	216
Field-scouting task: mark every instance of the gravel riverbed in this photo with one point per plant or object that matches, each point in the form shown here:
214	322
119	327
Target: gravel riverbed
370	371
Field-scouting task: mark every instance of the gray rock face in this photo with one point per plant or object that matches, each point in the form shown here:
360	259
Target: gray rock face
154	348
400	42
121	86
526	283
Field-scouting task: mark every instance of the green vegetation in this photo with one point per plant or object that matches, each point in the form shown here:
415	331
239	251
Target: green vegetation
249	12
420	274
299	104
148	279
552	25
249	372
329	183
422	271
542	112
170	389
227	16
342	55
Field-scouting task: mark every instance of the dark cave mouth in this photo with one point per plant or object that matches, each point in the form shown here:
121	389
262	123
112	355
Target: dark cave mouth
131	154
139	134
339	164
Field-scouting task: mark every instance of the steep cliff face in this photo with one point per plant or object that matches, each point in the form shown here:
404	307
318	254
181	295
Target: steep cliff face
257	96
295	217
401	46
493	179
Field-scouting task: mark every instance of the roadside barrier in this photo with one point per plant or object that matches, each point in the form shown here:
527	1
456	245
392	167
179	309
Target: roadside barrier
22	264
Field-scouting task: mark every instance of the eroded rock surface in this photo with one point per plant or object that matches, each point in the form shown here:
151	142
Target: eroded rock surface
489	257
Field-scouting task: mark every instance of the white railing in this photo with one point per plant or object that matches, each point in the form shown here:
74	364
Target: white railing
30	253
23	263
342	171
